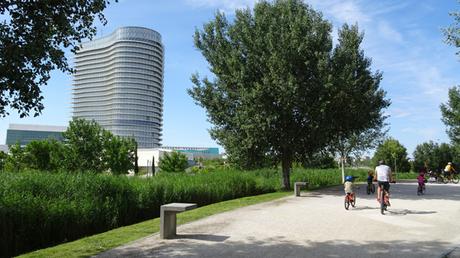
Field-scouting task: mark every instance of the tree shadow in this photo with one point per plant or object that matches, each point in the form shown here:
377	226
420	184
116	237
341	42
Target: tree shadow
202	237
278	247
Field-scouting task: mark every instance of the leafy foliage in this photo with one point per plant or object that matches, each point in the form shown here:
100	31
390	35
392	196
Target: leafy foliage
119	153
32	35
85	140
87	147
16	160
392	152
356	100
433	155
451	115
452	33
278	87
3	157
173	162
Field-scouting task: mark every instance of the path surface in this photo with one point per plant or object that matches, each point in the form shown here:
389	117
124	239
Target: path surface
317	225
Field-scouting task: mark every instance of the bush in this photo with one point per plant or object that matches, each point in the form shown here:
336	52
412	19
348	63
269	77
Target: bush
173	162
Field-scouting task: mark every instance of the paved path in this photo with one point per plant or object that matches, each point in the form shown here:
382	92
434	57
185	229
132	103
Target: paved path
317	225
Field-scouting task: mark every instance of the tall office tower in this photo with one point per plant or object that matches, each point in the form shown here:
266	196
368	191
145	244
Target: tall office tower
119	83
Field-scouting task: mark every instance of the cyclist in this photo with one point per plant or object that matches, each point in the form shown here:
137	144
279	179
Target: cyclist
348	185
370	179
449	170
421	181
383	176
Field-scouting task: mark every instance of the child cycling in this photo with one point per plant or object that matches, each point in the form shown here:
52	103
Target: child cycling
370	184
348	185
421	181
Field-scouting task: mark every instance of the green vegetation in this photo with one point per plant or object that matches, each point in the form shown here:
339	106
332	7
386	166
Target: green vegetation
394	154
42	209
88	147
433	155
92	245
174	162
260	102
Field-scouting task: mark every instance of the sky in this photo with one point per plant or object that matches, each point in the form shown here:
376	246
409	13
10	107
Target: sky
403	38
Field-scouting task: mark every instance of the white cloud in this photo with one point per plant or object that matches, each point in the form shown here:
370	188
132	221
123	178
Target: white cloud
389	33
399	113
341	10
228	6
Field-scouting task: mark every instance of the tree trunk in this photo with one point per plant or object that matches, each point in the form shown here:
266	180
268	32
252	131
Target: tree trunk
286	166
153	165
136	164
343	169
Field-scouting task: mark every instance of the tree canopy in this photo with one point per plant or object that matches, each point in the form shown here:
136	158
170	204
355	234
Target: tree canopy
433	155
279	90
393	153
32	37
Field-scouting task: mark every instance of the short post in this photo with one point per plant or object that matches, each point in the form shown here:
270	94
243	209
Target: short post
297	186
168	217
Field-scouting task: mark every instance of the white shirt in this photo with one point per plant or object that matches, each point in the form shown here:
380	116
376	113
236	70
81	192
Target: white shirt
383	173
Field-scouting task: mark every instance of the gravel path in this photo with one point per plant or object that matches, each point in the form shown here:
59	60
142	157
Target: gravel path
317	225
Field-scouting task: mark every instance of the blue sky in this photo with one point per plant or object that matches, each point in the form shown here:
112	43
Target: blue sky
403	38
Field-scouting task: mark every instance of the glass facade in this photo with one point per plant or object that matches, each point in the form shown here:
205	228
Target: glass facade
119	83
23	137
194	150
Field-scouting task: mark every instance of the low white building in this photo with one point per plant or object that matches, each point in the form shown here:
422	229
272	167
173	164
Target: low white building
146	156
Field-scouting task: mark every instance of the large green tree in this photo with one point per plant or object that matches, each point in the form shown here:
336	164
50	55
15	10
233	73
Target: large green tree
394	154
356	102
33	35
273	88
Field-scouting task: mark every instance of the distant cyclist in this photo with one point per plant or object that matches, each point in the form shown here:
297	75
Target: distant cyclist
449	170
383	176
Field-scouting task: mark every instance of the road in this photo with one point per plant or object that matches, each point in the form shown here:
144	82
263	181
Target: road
317	225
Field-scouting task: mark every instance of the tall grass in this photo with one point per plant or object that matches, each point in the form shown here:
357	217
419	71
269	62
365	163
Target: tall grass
39	209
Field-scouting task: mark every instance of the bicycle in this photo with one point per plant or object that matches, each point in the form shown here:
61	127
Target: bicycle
370	188
384	199
454	178
350	199
421	189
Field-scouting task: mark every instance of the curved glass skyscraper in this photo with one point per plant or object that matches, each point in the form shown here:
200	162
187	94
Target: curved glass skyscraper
119	83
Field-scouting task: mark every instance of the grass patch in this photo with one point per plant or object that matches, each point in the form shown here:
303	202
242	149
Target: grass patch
95	244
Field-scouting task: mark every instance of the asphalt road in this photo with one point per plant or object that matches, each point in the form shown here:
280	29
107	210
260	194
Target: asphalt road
317	225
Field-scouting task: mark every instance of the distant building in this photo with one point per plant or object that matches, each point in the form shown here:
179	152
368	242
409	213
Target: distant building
204	152
23	133
118	83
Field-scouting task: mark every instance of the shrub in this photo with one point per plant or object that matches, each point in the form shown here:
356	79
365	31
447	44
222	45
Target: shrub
3	157
173	162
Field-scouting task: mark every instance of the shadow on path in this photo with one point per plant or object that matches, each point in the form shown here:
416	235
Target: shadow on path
276	247
202	237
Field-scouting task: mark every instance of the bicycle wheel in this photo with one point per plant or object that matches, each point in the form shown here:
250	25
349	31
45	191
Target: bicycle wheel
455	179
382	203
347	202
353	201
445	179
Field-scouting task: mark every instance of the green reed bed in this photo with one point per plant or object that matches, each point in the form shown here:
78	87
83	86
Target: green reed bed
40	209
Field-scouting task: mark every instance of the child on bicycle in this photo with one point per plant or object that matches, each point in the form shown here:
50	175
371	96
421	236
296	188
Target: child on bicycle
370	177
421	179
348	185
